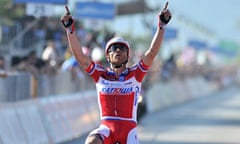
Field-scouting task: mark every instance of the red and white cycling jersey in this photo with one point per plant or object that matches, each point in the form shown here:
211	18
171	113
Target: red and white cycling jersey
117	97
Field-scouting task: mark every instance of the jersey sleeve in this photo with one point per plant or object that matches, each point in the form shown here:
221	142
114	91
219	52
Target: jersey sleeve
95	71
141	70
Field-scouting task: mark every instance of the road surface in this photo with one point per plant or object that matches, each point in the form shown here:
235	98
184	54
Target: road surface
213	119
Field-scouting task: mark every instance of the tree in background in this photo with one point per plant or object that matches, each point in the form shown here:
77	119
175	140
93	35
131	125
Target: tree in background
10	11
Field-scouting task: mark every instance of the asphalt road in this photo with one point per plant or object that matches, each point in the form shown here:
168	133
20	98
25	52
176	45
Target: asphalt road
213	119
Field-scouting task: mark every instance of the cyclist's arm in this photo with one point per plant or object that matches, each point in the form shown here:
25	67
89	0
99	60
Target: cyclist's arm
75	46
150	54
164	17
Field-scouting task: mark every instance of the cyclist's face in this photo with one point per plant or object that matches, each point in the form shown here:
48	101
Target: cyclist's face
116	47
118	53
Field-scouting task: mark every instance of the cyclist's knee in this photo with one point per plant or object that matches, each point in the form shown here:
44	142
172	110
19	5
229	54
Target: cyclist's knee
93	139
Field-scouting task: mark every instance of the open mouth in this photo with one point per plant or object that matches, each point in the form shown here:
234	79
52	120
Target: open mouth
117	55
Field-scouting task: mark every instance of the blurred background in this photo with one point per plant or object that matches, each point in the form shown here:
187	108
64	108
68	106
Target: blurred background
202	36
201	44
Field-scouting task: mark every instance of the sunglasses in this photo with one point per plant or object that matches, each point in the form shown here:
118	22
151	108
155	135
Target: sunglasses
121	47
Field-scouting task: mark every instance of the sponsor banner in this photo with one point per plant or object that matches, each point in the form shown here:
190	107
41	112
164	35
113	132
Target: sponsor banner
170	33
38	10
41	1
197	44
95	10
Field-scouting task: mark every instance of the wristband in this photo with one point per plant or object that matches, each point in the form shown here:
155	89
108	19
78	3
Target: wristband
71	29
161	25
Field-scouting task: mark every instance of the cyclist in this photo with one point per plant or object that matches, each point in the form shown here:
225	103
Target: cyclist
119	86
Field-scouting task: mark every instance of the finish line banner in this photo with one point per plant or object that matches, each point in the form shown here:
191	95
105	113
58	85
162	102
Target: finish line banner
95	10
41	1
39	9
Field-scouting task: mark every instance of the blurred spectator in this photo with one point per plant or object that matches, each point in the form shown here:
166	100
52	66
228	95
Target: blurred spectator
25	65
2	67
107	36
0	33
168	68
50	28
38	63
97	55
81	32
39	30
50	56
2	63
71	64
32	66
62	46
67	54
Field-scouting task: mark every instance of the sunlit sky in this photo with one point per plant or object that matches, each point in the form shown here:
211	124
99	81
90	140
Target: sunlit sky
219	17
207	20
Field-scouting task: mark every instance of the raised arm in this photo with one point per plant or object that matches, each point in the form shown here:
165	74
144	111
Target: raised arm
164	17
73	41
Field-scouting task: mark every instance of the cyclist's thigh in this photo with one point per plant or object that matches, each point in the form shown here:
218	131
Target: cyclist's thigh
132	137
94	139
98	134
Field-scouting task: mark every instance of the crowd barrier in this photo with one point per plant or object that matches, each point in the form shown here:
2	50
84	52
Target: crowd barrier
57	119
19	86
30	120
15	87
49	120
11	130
